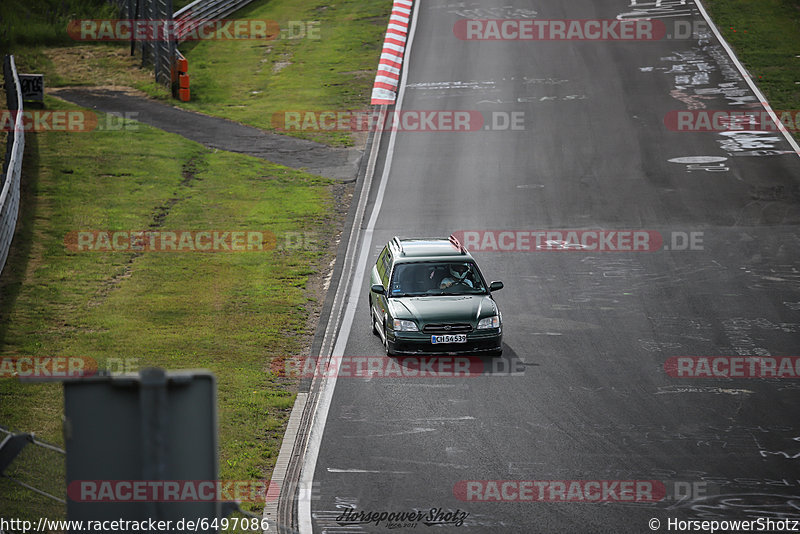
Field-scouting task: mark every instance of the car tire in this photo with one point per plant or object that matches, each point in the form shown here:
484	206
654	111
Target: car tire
372	319
386	342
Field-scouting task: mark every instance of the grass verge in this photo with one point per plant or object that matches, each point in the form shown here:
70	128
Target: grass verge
324	59
37	23
235	314
330	65
766	38
232	313
35	31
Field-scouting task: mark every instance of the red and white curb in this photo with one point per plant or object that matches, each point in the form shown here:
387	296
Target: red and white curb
394	44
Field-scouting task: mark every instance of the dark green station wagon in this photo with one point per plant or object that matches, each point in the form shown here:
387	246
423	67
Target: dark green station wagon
427	296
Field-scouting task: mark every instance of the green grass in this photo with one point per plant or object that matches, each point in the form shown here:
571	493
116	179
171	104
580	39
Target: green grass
44	22
235	314
766	37
232	313
36	23
250	80
35	31
96	64
178	4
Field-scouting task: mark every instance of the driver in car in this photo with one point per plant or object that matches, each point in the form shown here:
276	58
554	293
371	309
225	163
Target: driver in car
459	274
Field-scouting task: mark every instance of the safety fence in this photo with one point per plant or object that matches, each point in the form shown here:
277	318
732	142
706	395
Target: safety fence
169	65
200	11
12	166
161	53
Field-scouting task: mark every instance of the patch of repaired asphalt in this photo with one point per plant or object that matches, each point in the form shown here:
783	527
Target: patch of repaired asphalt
222	134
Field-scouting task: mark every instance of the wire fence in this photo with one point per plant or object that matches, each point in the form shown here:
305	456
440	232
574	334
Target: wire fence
162	53
12	166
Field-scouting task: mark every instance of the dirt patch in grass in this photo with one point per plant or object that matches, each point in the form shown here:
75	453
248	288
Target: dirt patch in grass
92	65
98	65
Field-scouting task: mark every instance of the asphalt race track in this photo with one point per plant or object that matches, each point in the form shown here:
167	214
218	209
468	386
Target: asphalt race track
582	391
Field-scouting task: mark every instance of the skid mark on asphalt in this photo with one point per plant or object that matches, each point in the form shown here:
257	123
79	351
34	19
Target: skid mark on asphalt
532	90
475	10
417	430
751	505
663	390
343	470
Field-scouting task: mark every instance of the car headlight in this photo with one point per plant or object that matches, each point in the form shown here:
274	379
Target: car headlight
489	322
401	325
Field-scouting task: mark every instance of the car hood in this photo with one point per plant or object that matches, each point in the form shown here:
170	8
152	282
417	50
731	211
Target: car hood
444	308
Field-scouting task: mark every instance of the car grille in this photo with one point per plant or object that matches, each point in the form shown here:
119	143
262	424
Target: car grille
447	328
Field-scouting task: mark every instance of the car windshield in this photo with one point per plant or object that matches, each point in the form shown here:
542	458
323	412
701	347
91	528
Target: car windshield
436	278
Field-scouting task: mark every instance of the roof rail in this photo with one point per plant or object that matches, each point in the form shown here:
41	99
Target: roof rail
398	244
456	243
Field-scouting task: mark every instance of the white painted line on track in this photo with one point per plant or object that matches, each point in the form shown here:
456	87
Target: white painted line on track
747	78
304	520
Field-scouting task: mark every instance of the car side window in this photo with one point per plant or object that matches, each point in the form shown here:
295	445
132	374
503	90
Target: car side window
387	268
381	263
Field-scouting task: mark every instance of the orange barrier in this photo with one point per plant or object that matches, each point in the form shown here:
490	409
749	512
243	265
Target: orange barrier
180	74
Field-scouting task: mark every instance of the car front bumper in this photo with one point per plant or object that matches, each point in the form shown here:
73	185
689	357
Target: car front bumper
478	341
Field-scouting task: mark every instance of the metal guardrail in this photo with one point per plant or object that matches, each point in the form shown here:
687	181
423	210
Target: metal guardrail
200	11
12	167
168	63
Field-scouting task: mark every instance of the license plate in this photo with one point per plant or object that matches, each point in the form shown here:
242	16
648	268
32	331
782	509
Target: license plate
449	338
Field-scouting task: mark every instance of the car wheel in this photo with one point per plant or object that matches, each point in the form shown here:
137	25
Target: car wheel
386	342
372	319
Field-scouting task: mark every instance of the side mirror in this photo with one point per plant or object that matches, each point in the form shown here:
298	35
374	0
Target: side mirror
378	288
494	286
